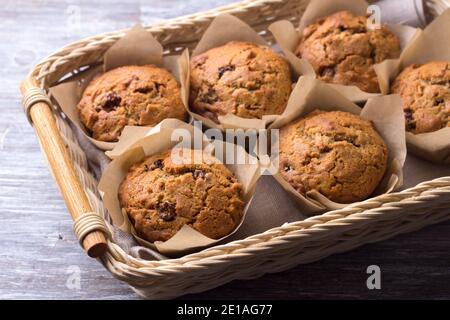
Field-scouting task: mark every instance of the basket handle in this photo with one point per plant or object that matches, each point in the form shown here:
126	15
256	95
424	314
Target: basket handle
39	112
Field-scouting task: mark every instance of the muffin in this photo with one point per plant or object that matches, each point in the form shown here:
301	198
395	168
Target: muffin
335	153
342	50
240	78
131	95
160	195
425	91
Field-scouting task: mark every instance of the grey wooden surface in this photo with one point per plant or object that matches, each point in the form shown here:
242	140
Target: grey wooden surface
39	255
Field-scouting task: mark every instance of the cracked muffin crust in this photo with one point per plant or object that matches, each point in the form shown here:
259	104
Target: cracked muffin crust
160	195
130	95
335	153
241	78
425	91
342	50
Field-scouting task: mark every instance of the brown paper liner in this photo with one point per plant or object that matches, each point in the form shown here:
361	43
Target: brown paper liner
156	140
137	47
433	43
288	38
385	112
223	29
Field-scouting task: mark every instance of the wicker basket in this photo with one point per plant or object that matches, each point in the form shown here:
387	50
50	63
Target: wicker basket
272	251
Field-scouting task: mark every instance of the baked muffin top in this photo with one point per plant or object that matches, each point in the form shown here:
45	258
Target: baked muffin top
425	91
160	196
130	95
241	78
335	153
342	50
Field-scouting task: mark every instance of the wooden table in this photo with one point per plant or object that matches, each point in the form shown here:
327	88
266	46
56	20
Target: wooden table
39	254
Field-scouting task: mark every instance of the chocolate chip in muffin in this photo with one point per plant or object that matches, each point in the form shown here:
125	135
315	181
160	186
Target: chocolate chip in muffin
158	164
409	118
158	87
410	126
327	72
325	149
438	101
110	101
210	96
229	67
373	54
408	114
167	211
199	174
143	90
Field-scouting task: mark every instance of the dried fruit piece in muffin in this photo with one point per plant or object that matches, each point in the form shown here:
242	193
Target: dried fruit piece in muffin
130	95
425	92
342	50
160	196
335	153
240	78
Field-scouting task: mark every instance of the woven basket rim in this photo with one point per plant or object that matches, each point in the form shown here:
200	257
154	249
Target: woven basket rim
361	210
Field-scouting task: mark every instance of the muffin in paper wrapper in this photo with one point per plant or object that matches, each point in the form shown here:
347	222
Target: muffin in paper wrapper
157	140
386	114
432	44
288	38
136	47
223	29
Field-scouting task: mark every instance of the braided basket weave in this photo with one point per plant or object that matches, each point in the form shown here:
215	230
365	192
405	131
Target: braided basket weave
272	251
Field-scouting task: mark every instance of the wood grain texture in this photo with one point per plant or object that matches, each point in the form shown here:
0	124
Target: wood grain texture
39	255
41	115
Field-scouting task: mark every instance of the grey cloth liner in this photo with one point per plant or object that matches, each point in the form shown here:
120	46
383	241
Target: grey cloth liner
409	12
271	206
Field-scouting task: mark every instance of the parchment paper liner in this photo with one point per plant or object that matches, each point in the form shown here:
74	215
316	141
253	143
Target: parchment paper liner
433	43
155	141
137	47
384	111
288	39
223	29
